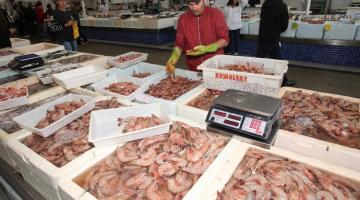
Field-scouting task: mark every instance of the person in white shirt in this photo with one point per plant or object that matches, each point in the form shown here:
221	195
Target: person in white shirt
232	14
104	7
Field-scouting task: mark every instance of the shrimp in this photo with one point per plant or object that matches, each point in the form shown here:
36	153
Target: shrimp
324	195
198	167
181	182
140	181
193	154
242	173
158	191
125	154
144	143
167	169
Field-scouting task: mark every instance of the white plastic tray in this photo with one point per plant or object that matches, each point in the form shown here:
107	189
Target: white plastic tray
142	67
41	49
29	120
195	114
113	62
11	103
218	182
53	70
219	79
19	42
340	31
170	105
310	31
315	148
79	77
101	85
104	130
70	190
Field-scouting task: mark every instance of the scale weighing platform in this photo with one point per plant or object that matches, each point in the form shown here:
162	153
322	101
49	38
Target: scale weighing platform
26	62
252	118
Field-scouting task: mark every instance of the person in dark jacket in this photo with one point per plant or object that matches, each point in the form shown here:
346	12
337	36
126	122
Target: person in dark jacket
4	30
274	20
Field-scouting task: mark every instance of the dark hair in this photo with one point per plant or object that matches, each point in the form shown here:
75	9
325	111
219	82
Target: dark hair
48	6
231	3
38	3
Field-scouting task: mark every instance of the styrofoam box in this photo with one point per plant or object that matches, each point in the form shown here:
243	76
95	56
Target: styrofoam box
357	35
254	27
48	79
11	103
79	77
340	31
29	120
19	42
142	67
101	85
244	28
112	61
310	31
41	49
218	182
218	79
104	130
195	114
171	104
98	62
69	190
319	149
290	32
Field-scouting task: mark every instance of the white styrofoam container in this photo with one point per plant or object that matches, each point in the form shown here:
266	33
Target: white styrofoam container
254	27
41	49
70	190
36	170
195	114
219	79
79	77
11	103
98	62
244	28
19	42
340	31
48	79
310	31
101	85
29	120
315	148
218	182
104	130
290	32
112	61
357	35
171	104
142	67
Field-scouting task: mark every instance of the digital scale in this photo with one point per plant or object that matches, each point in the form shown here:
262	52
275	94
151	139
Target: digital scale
253	118
26	62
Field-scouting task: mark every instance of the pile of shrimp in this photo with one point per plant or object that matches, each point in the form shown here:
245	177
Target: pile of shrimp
141	75
59	111
123	88
11	93
205	100
69	142
262	175
138	123
158	167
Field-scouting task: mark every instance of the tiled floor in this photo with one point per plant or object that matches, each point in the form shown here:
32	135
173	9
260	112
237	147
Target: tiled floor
314	79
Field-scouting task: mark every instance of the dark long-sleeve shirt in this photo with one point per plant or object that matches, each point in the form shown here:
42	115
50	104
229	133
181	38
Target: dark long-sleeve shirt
274	19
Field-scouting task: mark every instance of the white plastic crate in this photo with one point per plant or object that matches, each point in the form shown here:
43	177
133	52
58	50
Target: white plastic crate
218	182
195	114
113	62
79	77
29	120
47	79
36	170
254	27
315	148
104	130
70	190
170	104
290	32
219	79
98	62
11	103
244	28
41	49
101	85
310	31
340	31
19	42
142	67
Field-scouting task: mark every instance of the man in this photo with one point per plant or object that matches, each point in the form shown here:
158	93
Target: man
201	32
65	19
274	19
5	30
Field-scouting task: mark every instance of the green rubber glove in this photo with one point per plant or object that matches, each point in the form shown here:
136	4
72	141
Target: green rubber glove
175	55
202	49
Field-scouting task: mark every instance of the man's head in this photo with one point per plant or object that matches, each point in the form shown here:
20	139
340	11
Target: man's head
60	4
197	7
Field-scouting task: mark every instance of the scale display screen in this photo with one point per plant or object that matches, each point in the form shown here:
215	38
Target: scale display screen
226	118
254	126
